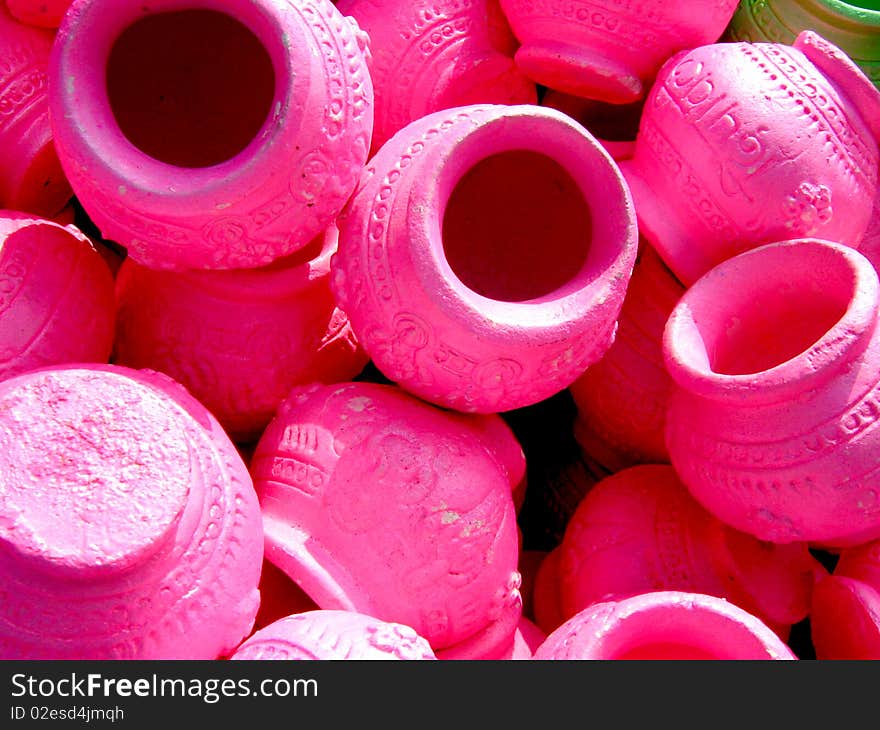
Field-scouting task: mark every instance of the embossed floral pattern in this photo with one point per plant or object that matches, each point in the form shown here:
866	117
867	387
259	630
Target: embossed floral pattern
807	209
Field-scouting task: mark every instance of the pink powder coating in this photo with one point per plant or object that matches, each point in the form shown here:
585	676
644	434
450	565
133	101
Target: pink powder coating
429	56
56	296
664	625
484	258
845	618
773	425
378	503
239	340
241	160
746	144
334	635
622	399
640	530
42	13
129	528
603	50
31	178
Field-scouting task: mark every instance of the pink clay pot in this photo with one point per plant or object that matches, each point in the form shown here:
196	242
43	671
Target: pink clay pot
432	543
606	49
334	635
42	13
56	296
845	618
664	625
773	424
640	530
211	134
745	144
429	56
239	340
622	399
31	178
547	599
129	526
484	258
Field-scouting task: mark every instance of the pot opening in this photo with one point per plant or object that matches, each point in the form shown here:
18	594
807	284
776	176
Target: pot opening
516	227
781	320
190	88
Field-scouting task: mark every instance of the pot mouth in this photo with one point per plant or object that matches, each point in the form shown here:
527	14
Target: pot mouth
132	104
772	322
671	625
530	221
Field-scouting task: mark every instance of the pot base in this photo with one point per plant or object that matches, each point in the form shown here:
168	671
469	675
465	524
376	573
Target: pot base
575	70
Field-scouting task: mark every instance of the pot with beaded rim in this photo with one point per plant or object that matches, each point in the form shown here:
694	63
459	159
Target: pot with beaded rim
211	134
773	423
484	258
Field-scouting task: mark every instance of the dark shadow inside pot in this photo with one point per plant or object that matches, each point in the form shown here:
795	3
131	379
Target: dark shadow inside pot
516	227
190	88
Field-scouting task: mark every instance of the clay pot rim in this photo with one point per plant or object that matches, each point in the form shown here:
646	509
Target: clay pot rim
688	362
847	11
13	221
661	610
123	166
323	579
614	236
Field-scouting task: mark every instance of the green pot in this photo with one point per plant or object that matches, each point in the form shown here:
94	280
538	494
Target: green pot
853	26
